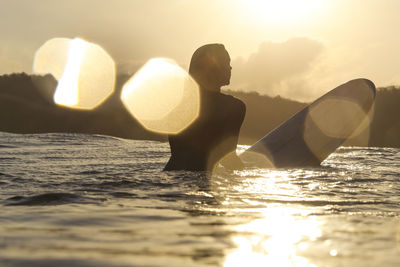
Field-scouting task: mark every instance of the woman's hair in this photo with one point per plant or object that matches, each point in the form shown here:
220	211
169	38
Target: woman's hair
205	62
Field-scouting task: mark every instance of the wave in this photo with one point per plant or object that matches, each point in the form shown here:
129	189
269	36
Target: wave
49	199
90	172
7	146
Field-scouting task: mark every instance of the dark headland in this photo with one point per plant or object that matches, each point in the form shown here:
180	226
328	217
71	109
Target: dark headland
26	106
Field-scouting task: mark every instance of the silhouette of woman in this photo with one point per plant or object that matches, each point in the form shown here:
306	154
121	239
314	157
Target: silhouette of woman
213	136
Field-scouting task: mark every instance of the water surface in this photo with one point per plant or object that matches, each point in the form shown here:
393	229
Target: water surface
89	200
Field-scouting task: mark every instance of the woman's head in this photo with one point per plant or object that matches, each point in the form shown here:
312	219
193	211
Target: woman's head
210	66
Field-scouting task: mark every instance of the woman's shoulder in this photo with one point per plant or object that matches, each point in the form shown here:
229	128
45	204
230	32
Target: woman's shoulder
235	102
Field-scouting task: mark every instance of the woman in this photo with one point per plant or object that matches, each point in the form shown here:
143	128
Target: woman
213	136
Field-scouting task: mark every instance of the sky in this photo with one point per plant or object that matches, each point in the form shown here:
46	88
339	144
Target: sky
297	49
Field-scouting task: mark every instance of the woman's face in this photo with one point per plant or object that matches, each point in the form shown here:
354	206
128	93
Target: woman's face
225	69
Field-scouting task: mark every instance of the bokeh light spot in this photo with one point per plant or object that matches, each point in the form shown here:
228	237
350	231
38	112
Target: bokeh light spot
85	72
162	96
335	118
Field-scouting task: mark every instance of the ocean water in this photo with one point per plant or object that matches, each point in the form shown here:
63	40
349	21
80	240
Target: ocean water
90	200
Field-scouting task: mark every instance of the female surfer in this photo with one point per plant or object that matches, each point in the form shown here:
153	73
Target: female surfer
213	136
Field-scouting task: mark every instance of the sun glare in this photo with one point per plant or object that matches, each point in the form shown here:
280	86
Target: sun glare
279	11
162	96
67	89
339	117
84	71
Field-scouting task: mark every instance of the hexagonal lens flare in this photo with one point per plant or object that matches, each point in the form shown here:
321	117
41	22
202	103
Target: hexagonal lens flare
85	72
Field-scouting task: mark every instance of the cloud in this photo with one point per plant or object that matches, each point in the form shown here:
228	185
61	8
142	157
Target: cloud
278	68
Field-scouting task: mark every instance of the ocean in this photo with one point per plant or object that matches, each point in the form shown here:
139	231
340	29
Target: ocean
92	200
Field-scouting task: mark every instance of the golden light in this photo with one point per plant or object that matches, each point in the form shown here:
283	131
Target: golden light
335	119
162	97
84	71
281	234
279	11
67	90
275	239
398	237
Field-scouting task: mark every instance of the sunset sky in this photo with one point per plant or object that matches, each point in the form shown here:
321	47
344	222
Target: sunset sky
293	48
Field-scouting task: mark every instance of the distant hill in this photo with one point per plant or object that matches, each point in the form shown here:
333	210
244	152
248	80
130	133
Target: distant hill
385	127
25	108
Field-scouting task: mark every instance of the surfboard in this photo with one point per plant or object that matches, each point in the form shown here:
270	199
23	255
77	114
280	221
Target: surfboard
311	135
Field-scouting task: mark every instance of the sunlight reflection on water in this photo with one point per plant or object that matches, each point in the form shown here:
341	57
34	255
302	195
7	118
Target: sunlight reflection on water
278	234
274	240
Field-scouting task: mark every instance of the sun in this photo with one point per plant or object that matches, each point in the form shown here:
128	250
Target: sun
67	92
280	12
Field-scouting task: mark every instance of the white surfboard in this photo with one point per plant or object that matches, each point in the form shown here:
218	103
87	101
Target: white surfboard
315	132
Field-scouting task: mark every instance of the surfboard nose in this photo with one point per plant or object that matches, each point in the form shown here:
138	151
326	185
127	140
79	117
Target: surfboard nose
361	91
371	85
